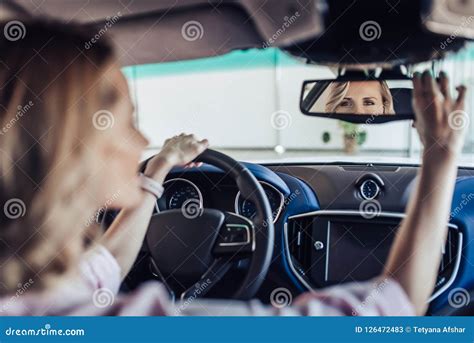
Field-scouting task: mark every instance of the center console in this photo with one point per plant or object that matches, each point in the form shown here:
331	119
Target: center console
332	247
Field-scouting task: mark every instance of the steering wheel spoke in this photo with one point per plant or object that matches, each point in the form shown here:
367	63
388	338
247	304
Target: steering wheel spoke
236	238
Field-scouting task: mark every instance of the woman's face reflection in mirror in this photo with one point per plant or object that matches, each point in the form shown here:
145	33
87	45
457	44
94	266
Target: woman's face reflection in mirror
360	97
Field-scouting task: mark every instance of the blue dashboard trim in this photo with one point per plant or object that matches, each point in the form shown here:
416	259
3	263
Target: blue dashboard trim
462	211
462	215
305	201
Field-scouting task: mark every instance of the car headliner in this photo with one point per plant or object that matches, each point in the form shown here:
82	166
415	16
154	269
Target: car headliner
146	31
151	31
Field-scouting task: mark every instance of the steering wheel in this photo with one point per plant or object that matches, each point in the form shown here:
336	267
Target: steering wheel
194	247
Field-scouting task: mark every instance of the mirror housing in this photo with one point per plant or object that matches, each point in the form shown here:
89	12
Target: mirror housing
360	98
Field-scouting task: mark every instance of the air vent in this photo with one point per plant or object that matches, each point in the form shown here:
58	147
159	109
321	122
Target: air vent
449	255
450	259
299	243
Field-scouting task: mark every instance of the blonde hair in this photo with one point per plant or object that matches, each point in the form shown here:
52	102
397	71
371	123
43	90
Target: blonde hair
338	91
50	88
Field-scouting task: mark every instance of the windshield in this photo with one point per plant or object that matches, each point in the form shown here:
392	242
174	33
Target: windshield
247	104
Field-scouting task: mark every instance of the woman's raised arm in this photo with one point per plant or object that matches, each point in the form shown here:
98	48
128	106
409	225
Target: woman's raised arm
126	234
413	260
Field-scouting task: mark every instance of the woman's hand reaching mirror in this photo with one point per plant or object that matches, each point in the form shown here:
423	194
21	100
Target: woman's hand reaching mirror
441	123
440	120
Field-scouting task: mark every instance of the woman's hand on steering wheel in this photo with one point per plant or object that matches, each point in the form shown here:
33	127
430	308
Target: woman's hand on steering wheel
179	150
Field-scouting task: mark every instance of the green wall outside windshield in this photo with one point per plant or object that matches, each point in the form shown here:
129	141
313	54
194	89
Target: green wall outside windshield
234	60
242	59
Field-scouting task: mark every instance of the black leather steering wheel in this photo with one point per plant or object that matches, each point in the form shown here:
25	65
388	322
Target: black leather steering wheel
194	247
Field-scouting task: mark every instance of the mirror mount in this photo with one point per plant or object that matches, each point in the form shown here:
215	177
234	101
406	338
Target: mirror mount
396	72
348	75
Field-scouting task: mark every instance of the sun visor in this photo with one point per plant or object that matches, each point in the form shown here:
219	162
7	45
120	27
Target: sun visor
452	18
162	31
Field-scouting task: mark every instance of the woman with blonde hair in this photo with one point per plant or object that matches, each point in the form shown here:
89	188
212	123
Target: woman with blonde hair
69	145
360	97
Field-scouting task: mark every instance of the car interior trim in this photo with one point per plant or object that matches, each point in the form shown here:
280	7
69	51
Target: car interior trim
305	283
280	207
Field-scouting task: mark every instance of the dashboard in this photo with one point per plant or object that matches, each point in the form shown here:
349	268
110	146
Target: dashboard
179	192
333	247
315	206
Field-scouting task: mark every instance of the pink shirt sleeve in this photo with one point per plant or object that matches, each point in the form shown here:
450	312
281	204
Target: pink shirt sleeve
97	295
371	298
100	269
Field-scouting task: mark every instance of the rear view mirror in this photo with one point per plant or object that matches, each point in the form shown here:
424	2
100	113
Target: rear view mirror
368	101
